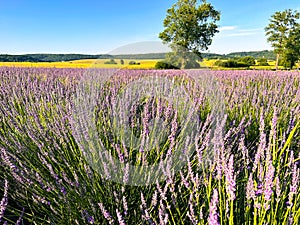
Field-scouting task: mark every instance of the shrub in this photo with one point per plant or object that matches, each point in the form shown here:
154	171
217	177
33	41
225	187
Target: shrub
218	63
134	63
262	62
247	60
112	61
164	65
231	63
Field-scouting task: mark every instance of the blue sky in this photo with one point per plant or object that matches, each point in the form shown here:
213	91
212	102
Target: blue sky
97	26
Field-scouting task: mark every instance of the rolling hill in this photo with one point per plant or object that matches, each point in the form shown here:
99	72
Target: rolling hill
69	57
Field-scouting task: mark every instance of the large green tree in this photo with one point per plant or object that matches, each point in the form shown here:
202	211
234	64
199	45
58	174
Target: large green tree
292	49
189	29
282	33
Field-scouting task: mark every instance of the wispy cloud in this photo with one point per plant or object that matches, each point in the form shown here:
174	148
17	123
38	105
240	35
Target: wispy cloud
240	34
251	30
234	31
227	28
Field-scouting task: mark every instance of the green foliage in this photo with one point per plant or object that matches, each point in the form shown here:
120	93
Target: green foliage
134	63
69	57
189	28
192	64
262	62
247	60
256	54
111	61
282	31
292	53
190	60
253	178
164	65
122	61
236	63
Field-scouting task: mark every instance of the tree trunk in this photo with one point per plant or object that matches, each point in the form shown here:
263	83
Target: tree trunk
277	61
183	63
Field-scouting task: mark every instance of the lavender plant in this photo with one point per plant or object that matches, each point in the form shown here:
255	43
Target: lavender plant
252	177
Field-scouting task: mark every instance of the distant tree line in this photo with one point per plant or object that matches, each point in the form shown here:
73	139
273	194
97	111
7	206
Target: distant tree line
49	57
270	55
245	61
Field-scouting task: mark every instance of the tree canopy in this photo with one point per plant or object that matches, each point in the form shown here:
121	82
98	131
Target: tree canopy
189	29
284	35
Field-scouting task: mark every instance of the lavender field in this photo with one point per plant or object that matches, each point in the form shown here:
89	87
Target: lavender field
104	146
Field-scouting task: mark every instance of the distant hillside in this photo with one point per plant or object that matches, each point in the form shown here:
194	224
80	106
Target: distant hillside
256	54
49	57
69	57
141	56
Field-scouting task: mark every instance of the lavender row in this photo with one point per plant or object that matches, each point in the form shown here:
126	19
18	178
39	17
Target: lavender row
243	158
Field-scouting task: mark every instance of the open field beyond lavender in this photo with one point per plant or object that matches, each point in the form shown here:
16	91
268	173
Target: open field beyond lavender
104	146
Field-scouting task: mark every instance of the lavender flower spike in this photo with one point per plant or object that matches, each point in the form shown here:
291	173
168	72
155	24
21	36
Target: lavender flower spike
294	185
213	207
120	218
230	179
106	214
269	181
4	201
250	191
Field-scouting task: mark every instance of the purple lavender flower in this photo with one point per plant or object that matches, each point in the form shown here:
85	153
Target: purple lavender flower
278	190
4	201
269	181
250	192
154	199
20	217
144	204
294	185
126	173
262	143
191	212
230	179
171	137
213	209
91	220
259	190
106	214
163	216
63	190
125	205
120	218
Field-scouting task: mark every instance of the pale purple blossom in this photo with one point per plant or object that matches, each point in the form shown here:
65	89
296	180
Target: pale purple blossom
293	185
213	209
268	186
106	214
120	218
230	179
125	205
278	189
250	191
4	201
